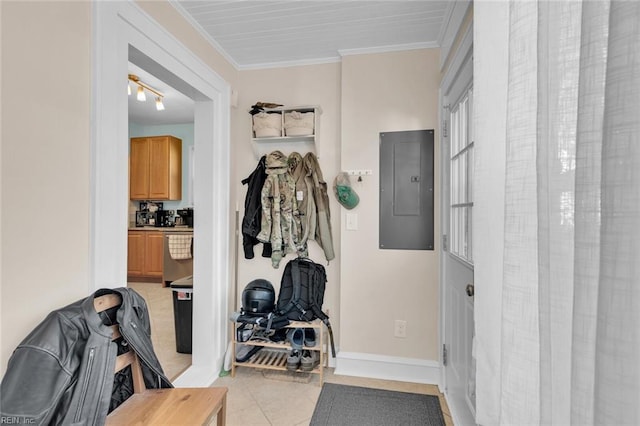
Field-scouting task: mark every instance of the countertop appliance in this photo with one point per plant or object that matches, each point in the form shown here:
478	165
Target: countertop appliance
159	218
164	218
145	218
185	216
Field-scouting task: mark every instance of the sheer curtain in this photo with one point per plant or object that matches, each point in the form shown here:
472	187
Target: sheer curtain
567	325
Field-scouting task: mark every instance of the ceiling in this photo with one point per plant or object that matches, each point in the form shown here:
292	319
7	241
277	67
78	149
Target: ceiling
268	33
259	34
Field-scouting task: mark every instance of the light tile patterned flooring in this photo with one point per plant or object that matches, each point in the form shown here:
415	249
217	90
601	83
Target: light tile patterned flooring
160	304
253	399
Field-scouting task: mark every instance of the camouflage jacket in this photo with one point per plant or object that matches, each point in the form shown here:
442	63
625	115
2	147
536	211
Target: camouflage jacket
306	211
279	226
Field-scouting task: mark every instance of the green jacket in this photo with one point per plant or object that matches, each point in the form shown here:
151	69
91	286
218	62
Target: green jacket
278	225
322	234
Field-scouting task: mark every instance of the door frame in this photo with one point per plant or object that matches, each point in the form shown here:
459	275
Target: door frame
457	79
116	27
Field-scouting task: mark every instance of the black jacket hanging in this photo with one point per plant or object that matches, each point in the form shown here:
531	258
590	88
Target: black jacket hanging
251	221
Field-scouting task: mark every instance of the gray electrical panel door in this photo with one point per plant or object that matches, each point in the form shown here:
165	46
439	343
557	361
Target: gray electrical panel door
406	190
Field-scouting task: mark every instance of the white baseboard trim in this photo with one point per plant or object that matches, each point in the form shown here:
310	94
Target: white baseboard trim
388	368
196	377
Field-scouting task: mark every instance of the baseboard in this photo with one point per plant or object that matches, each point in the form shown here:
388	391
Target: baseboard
461	413
388	368
196	377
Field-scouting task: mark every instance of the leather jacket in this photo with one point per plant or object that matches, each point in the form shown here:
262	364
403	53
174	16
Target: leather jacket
252	219
63	371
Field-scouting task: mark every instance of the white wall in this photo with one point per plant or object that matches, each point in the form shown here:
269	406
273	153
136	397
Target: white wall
367	288
46	139
303	85
46	70
387	92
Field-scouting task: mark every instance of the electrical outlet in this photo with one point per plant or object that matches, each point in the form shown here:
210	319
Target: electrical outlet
400	329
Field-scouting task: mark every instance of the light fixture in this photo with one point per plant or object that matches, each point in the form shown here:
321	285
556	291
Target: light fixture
140	92
141	96
159	104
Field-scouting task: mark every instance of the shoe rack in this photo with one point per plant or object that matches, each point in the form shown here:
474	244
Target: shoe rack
273	355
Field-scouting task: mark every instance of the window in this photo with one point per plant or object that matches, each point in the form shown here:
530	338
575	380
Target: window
461	169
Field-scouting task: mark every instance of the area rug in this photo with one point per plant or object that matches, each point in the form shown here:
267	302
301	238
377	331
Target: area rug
340	405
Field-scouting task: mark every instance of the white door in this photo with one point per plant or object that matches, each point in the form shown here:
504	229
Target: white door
457	260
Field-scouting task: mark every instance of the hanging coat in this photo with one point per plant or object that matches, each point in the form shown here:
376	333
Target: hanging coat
306	211
322	233
252	220
278	203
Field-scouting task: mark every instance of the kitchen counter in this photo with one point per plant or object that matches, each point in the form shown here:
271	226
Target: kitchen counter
161	229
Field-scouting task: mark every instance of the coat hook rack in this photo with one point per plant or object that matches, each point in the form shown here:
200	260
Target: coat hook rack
359	173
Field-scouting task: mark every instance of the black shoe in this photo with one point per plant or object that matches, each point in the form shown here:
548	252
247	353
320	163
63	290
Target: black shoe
309	337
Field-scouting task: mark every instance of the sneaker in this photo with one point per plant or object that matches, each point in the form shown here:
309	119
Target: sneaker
295	336
309	337
293	360
309	360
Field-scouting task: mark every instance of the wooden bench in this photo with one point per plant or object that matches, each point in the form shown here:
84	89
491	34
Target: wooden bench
186	406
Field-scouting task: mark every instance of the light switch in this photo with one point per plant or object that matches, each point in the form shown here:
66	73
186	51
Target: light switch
352	221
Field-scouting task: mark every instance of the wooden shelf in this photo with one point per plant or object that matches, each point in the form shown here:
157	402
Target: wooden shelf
288	144
274	355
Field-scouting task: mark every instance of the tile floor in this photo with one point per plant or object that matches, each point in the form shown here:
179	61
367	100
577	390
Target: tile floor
160	304
258	397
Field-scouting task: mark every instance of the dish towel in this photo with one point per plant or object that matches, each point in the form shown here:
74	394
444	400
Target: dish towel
180	246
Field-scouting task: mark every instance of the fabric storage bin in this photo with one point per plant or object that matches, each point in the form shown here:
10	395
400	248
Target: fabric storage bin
267	125
298	123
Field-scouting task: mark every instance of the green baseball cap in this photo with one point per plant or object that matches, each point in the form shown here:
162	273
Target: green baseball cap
344	192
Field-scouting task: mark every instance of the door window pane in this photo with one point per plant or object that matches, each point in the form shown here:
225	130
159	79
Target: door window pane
461	175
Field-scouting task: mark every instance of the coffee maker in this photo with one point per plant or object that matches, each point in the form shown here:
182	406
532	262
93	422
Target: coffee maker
186	217
164	218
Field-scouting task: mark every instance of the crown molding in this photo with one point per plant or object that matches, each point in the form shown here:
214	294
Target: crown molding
385	49
285	64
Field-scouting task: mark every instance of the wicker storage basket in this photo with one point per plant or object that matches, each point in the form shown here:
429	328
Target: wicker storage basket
267	125
298	123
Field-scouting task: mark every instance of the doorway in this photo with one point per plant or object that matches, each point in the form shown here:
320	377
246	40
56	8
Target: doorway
148	237
120	26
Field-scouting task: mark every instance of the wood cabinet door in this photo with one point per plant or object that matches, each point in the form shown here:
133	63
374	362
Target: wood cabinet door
154	255
159	171
139	169
135	253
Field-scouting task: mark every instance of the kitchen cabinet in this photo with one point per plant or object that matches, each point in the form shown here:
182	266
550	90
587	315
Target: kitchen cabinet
145	254
155	168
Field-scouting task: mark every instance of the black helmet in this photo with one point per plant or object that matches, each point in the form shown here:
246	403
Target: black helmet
258	297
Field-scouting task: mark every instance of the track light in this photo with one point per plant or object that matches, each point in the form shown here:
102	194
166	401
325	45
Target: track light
141	96
140	92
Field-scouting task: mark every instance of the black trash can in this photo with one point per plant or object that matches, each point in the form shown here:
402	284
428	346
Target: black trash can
182	290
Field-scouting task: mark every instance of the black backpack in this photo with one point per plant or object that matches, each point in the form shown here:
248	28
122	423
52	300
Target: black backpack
302	293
